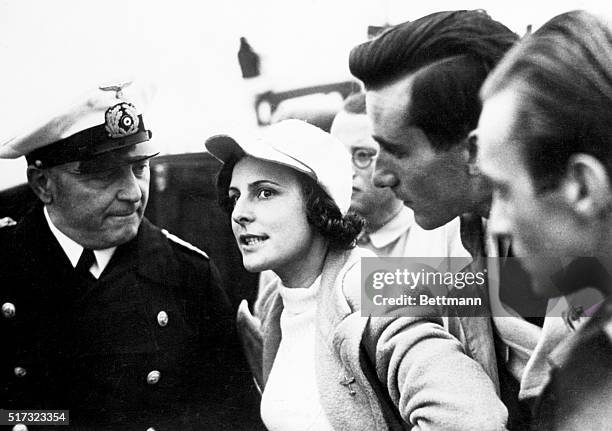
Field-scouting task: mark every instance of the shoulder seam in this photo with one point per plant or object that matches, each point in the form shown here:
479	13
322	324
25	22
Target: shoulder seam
184	243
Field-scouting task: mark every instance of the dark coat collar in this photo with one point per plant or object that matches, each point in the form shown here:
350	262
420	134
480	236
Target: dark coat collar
34	241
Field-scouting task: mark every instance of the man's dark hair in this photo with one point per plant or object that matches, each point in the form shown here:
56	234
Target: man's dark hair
355	104
562	75
321	211
450	54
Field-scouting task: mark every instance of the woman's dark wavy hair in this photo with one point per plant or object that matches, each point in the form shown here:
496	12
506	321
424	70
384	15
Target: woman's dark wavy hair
321	211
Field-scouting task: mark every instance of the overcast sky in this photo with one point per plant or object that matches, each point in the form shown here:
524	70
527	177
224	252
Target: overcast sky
51	51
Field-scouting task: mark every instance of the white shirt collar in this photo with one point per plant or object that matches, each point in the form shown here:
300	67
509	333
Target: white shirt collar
74	250
393	229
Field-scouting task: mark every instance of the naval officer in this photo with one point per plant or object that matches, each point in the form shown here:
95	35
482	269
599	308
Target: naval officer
103	313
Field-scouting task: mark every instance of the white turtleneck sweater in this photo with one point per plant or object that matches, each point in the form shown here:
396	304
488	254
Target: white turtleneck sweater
291	398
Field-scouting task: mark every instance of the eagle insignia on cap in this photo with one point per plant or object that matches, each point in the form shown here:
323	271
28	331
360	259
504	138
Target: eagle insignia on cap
121	120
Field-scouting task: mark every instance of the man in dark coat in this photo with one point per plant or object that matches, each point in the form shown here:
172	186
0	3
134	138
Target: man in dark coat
104	314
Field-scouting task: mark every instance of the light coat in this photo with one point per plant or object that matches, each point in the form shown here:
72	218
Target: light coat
379	373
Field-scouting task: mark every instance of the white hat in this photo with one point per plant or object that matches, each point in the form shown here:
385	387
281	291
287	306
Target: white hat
100	123
301	146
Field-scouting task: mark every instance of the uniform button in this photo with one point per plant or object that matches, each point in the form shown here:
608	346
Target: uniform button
162	318
20	427
153	377
20	371
8	310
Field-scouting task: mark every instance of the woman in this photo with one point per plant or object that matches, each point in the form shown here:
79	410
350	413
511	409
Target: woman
323	366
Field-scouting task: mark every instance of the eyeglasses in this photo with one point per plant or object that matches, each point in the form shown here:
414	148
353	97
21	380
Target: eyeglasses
363	158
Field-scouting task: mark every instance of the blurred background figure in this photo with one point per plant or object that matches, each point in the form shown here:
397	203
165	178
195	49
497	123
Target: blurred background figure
390	228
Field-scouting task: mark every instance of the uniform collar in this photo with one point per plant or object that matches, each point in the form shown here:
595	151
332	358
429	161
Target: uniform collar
74	250
152	255
393	229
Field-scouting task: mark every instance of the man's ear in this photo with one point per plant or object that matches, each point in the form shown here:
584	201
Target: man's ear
40	183
471	149
586	187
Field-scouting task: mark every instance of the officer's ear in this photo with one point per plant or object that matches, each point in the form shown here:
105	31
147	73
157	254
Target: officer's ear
586	188
41	183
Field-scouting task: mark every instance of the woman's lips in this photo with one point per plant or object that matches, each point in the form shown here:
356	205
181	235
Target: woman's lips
251	240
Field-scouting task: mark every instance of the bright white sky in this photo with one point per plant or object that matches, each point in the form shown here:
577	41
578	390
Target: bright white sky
53	50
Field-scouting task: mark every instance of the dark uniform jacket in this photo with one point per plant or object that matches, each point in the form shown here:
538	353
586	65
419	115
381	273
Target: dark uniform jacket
150	344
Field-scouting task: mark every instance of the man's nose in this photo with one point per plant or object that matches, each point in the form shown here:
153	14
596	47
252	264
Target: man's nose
130	186
499	223
383	175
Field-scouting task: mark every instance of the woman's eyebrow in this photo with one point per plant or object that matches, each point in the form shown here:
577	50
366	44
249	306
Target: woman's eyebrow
263	182
254	185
